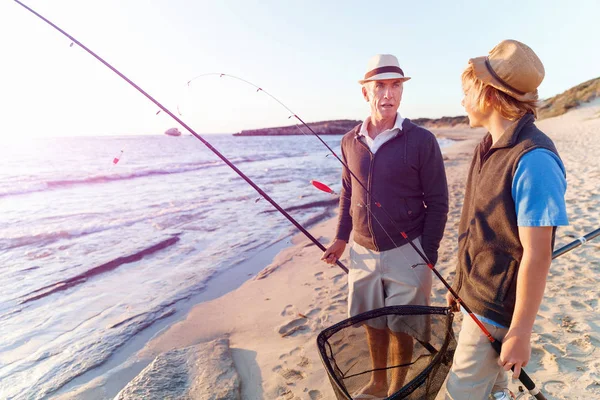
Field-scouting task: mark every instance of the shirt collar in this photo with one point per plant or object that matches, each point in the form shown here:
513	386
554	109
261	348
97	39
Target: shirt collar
397	125
511	134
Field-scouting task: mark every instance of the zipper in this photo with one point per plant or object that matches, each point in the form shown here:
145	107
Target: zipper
370	186
370	182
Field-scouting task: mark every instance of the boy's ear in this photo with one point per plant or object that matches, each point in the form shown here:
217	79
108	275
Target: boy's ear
487	100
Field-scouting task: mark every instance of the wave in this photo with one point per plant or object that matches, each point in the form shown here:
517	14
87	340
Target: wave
37	186
45	238
61	183
103	268
313	204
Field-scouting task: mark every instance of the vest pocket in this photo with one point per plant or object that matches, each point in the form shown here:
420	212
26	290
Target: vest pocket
492	275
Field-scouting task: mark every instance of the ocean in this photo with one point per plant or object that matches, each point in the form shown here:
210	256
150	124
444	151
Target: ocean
92	252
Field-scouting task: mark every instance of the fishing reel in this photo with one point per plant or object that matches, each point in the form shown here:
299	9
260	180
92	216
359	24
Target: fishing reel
523	395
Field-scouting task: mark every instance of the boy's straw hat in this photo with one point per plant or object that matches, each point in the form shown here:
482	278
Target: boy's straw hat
513	68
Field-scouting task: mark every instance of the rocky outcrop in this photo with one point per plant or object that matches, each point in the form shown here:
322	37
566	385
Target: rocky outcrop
201	372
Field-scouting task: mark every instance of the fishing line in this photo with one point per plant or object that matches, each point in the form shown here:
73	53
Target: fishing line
189	129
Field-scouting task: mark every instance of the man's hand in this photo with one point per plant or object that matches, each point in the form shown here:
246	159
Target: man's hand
334	252
516	351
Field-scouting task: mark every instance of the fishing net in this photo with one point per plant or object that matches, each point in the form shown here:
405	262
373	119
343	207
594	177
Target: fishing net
413	364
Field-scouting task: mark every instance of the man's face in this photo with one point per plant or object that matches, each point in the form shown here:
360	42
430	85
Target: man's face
469	102
384	97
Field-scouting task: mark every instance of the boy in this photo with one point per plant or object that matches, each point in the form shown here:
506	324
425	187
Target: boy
514	200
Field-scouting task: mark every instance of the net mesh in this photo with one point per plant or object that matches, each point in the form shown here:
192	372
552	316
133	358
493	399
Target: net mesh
406	350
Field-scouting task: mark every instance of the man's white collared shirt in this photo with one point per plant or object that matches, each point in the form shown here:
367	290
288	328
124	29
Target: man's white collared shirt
375	144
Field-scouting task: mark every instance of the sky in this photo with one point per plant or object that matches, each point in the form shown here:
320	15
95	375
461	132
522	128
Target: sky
308	54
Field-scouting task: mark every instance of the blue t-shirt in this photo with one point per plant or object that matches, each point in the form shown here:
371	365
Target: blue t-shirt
538	190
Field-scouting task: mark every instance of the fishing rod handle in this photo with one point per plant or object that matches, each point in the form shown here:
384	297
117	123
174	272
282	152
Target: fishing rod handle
523	376
323	248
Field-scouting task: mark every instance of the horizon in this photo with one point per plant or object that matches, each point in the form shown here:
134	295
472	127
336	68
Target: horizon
308	56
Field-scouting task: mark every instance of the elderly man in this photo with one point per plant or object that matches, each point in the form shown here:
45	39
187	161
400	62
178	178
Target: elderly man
401	165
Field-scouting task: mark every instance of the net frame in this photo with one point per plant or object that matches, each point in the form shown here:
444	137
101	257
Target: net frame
443	355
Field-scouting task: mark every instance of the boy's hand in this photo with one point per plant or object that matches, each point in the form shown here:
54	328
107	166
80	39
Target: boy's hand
516	351
334	252
451	301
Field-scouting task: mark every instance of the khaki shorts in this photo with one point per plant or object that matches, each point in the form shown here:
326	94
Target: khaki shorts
387	278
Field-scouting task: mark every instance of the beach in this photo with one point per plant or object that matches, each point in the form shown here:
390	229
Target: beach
262	334
272	320
157	178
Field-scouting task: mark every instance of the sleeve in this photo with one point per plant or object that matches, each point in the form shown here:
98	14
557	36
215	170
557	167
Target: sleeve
345	220
538	190
435	194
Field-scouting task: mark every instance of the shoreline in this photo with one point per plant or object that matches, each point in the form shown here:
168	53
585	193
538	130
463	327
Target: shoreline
120	362
106	380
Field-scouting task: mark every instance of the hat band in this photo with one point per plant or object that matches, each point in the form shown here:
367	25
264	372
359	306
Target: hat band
382	70
502	82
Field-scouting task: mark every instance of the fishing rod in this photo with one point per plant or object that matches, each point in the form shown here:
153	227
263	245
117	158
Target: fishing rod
576	243
189	129
496	344
523	377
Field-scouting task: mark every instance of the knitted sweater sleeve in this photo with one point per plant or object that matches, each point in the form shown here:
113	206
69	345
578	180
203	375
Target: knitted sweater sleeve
345	220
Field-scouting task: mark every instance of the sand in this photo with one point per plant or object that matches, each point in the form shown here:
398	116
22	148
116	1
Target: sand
272	320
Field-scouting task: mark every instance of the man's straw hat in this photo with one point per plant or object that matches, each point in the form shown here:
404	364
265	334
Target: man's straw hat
513	68
383	66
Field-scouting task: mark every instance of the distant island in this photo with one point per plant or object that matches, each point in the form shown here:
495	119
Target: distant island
341	126
552	107
334	127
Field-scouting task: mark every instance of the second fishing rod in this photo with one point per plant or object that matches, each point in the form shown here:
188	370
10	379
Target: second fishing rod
523	376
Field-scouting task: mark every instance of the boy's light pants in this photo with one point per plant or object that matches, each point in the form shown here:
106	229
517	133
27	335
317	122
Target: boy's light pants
475	371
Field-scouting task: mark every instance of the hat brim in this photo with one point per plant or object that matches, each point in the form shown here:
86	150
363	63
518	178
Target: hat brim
483	74
385	76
